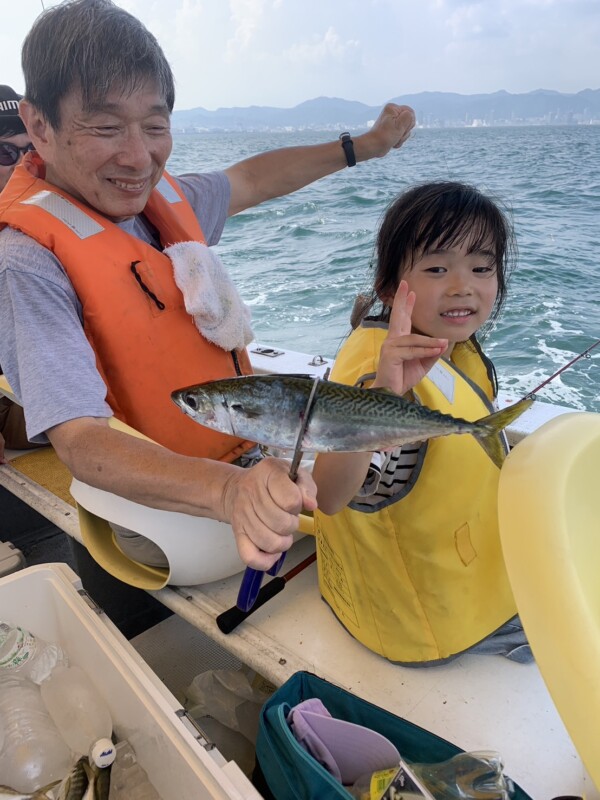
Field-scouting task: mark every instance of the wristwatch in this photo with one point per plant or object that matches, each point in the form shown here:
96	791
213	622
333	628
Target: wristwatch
348	146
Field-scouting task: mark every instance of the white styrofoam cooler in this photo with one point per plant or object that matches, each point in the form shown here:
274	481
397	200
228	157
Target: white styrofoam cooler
49	601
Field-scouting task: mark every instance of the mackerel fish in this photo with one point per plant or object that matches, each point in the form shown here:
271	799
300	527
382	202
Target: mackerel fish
269	409
75	784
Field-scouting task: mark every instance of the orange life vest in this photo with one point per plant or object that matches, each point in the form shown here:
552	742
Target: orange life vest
146	344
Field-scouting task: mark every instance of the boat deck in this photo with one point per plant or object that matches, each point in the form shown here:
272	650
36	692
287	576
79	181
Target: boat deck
478	702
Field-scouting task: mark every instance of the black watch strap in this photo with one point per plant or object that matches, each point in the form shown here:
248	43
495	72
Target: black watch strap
348	146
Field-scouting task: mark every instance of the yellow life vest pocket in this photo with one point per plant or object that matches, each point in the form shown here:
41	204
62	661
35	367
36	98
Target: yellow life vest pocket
464	545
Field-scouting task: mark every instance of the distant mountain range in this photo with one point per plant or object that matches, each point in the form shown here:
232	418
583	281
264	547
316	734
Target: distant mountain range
433	109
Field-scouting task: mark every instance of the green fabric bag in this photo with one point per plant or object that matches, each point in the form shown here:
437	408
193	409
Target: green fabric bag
285	771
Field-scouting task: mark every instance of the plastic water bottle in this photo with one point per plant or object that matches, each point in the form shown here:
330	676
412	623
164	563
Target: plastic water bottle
477	774
80	714
466	776
128	779
34	753
23	654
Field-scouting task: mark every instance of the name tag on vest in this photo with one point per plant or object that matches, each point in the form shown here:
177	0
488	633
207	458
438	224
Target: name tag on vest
443	379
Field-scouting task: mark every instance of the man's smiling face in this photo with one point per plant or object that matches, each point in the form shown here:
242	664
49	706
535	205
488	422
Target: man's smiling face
110	156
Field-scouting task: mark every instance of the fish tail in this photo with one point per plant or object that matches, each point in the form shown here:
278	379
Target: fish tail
494	423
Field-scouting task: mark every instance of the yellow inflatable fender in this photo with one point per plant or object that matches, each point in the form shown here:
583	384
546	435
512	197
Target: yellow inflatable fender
549	512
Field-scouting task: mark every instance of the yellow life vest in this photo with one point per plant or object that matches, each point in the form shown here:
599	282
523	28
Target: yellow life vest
421	576
145	342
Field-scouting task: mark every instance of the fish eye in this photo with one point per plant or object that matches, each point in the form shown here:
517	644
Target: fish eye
191	401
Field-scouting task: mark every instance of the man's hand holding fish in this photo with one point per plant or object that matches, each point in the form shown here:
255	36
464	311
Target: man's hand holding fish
263	510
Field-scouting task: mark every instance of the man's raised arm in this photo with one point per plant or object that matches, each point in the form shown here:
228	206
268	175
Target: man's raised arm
279	172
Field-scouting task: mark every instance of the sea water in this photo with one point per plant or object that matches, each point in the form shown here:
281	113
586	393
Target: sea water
299	261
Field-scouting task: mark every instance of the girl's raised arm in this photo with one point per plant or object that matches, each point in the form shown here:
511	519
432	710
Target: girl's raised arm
405	358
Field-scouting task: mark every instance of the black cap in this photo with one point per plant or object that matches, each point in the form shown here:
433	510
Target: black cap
10	122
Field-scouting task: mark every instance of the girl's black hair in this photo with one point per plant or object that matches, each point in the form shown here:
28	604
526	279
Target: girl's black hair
441	214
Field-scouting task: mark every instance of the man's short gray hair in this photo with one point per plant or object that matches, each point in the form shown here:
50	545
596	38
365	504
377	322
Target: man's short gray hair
95	47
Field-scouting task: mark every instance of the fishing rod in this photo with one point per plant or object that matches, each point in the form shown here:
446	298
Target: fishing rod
252	579
584	354
230	619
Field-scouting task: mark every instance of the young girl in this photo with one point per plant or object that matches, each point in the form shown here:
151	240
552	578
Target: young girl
408	547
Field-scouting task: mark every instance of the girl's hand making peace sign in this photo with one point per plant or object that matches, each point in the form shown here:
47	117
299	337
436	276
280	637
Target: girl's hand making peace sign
405	357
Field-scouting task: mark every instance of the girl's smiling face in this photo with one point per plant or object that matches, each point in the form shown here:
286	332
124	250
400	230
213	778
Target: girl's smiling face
455	247
456	289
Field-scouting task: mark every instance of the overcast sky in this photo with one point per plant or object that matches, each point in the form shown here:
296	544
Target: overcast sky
282	52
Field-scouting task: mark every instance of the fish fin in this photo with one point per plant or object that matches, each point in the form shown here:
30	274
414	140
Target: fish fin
496	422
245	411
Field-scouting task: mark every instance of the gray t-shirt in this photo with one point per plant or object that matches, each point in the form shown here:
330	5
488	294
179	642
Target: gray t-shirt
44	352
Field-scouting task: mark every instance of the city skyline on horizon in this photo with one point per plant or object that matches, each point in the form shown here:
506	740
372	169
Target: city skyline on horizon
239	53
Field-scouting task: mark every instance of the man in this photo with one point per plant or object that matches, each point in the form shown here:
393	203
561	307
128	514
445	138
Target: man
83	276
14	139
14	142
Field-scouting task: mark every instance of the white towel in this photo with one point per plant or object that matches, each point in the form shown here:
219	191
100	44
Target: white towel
210	295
